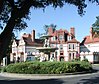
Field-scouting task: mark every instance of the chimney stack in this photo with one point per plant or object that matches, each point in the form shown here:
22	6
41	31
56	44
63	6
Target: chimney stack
50	30
33	35
91	33
72	31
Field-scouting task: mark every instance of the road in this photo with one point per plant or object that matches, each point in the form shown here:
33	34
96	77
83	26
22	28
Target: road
92	78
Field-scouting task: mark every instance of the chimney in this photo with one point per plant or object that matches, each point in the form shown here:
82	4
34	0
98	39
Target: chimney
72	31
33	35
50	31
91	33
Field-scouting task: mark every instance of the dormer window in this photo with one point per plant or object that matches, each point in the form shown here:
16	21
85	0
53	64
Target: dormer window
69	38
60	37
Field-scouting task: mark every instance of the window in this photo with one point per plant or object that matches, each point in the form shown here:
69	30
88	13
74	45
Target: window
61	53
56	53
88	45
28	59
73	46
69	56
61	37
29	53
53	38
52	45
73	55
52	55
84	57
61	47
69	46
69	38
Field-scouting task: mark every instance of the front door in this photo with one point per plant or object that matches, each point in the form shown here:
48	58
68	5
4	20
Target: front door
61	58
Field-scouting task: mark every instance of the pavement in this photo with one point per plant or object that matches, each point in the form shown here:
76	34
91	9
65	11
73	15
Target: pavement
51	76
47	76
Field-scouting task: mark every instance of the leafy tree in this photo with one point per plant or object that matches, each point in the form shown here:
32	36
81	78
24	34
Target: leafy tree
14	12
48	26
95	27
46	30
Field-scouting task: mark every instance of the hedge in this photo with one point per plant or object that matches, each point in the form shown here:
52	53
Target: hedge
47	67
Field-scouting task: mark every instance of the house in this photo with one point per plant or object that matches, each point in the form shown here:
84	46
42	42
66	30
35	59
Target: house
89	48
65	41
25	48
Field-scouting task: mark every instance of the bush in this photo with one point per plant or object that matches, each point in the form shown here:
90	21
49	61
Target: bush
86	60
85	66
3	69
47	67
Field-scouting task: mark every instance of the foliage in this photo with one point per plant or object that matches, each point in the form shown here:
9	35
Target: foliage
86	60
48	26
85	66
13	14
0	69
3	69
48	67
95	27
37	58
8	8
46	30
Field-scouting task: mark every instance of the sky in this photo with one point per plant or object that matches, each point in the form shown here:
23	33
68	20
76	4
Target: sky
64	18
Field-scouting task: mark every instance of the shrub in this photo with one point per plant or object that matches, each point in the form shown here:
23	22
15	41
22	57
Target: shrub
86	60
3	69
47	67
85	66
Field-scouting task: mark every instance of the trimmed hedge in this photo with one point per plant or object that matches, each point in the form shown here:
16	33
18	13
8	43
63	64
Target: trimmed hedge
47	67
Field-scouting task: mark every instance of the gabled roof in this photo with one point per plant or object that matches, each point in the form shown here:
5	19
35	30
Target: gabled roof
29	42
88	39
73	41
17	41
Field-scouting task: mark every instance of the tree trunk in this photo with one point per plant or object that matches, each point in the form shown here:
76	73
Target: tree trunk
6	35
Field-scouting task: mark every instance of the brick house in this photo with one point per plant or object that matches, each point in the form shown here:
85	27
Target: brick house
65	41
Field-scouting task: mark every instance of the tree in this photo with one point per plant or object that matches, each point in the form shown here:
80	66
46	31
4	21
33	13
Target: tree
14	12
46	30
48	26
95	27
9	49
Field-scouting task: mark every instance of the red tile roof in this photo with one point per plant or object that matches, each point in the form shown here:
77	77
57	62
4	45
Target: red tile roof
58	31
88	39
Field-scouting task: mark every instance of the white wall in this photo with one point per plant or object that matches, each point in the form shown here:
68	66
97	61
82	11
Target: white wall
31	49
65	52
88	56
93	47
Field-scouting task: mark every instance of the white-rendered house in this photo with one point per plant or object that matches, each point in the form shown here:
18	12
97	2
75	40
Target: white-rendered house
64	46
89	48
25	48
